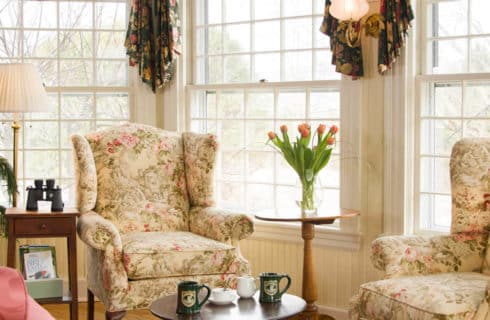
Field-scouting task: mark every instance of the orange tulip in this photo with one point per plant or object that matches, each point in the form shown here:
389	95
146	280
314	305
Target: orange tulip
331	140
334	129
305	133
271	135
321	129
284	128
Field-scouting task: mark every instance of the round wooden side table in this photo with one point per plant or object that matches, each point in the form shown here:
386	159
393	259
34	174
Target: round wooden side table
246	309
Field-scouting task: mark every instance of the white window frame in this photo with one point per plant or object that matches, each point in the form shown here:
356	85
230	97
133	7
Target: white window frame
63	180
424	78
346	235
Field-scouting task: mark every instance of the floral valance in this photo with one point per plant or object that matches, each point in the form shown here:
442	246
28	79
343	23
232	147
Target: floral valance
153	40
392	22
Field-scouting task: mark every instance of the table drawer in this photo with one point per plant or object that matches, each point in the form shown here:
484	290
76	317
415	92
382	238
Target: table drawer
40	226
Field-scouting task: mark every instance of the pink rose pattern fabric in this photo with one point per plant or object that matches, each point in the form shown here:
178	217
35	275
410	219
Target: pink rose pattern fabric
429	277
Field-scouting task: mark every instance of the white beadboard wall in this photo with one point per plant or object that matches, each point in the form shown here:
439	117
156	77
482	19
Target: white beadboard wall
339	271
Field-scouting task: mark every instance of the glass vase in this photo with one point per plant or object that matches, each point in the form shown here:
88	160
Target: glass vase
311	196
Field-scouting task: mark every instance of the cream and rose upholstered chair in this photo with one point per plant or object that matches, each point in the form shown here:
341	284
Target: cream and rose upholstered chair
147	216
440	277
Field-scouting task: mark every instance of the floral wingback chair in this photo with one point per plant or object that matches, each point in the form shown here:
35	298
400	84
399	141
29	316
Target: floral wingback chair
147	216
441	277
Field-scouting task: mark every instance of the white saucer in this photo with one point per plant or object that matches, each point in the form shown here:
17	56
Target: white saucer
220	303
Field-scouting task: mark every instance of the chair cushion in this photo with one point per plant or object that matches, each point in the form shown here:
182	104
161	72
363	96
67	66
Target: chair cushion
439	296
141	178
166	254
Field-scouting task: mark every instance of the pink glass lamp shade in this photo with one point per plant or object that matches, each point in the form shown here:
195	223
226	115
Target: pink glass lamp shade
349	9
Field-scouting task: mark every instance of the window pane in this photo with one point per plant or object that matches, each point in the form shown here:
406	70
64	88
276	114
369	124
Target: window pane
291	105
230	104
76	44
112	106
435	175
438	136
325	104
77	106
260	105
297	66
9	43
70	127
109	45
112	73
256	134
237	68
236	10
477	98
479	16
41	134
448	56
259	196
436	211
268	9
477	128
40	44
296	7
298	33
444	18
110	15
41	164
39	14
260	166
76	73
231	133
9	13
268	67
236	38
75	14
443	100
267	36
480	54
48	70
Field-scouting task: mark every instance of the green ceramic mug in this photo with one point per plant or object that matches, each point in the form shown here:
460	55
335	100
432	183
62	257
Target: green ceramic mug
188	297
269	286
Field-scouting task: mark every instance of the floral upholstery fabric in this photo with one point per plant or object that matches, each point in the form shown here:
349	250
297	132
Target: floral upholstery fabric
441	285
167	254
141	178
470	185
417	255
219	224
139	244
200	156
442	296
85	174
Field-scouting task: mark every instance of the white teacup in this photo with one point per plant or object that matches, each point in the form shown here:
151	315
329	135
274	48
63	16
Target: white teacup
220	295
246	287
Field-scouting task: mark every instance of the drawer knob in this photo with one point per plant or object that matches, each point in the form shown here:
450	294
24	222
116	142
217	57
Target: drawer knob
43	226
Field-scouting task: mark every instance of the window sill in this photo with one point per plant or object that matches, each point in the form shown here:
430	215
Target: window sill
291	232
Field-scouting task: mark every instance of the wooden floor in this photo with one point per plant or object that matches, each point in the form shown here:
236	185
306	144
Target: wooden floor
61	312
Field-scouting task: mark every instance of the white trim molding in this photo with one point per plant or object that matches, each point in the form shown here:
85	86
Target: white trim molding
291	232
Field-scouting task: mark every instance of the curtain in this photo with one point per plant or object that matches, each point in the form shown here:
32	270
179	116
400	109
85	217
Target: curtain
153	40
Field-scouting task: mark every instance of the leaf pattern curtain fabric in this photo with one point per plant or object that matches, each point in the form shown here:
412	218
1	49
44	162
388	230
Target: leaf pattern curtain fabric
153	40
397	15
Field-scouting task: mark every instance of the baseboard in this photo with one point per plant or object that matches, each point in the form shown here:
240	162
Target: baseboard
337	313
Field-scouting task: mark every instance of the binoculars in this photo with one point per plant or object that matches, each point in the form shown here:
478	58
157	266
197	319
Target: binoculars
46	192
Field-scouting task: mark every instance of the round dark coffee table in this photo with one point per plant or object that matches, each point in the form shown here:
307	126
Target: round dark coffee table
250	309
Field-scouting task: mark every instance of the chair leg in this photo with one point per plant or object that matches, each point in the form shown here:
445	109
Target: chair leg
90	305
115	315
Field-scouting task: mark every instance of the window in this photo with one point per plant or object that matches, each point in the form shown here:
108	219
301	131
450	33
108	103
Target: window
454	88
257	65
78	49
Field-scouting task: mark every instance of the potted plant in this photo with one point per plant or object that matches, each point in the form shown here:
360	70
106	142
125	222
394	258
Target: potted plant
6	174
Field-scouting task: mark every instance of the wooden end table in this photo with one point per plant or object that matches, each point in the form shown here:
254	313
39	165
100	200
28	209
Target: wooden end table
246	309
47	224
309	289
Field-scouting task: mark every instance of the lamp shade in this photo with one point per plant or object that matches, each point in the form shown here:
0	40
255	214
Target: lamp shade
349	9
21	89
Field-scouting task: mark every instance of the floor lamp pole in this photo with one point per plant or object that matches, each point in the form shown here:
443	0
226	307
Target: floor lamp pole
15	127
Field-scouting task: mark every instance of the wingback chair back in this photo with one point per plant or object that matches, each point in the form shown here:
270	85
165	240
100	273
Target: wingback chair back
470	186
142	185
445	276
148	215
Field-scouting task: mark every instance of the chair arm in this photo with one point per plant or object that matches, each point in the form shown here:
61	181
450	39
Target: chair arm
419	255
97	232
219	224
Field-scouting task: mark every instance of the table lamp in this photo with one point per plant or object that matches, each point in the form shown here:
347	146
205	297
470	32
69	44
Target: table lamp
21	90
